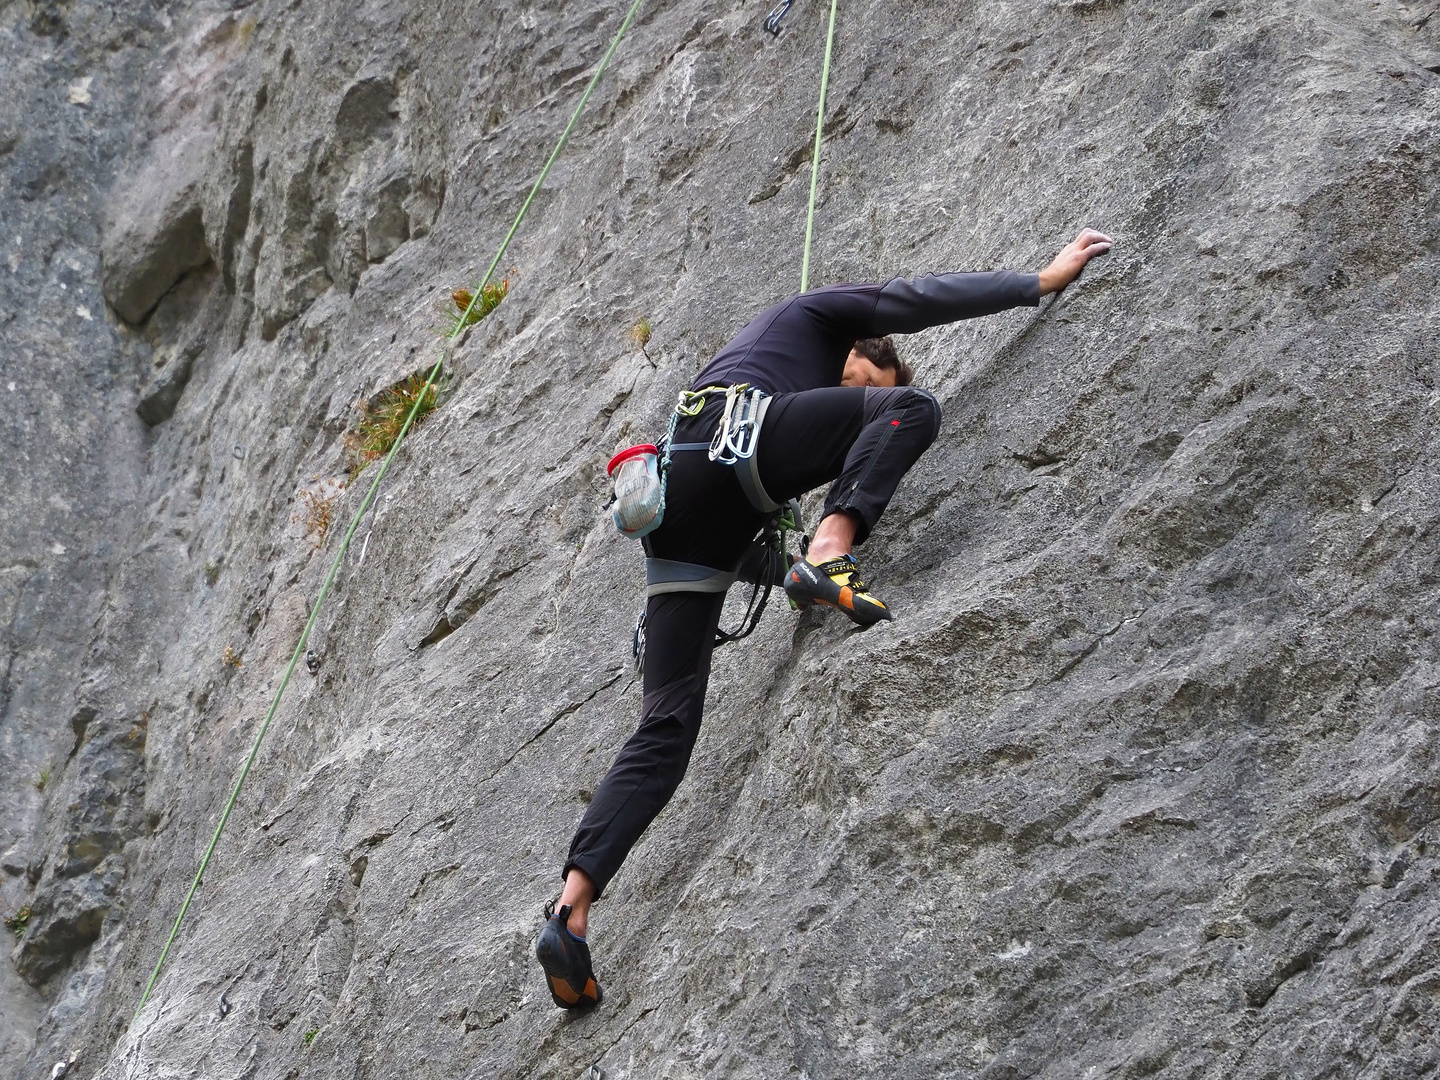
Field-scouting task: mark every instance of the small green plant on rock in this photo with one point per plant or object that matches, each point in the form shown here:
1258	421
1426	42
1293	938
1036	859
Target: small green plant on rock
42	781
212	571
468	310
310	1035
381	421
16	923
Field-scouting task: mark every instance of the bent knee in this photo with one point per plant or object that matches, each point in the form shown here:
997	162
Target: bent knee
922	405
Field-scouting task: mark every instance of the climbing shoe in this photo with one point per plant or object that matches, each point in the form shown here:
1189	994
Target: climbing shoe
566	960
835	583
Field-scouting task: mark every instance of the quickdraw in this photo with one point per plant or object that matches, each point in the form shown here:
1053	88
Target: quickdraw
767	559
739	427
776	17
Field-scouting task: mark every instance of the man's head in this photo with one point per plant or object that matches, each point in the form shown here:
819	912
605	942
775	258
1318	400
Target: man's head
874	362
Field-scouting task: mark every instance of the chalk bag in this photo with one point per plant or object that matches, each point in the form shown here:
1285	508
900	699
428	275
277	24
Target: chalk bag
635	483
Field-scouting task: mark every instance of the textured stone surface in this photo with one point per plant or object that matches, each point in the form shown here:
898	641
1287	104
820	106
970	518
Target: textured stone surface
1143	780
155	234
72	463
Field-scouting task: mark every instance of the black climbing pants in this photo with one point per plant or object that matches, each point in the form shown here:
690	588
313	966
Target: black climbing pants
862	440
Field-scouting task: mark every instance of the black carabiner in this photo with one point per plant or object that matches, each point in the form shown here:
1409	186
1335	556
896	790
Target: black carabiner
776	16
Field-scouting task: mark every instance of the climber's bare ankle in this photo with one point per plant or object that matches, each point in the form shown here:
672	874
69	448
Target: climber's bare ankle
834	537
579	894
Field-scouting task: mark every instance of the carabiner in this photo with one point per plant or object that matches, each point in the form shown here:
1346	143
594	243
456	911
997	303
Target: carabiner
776	16
739	428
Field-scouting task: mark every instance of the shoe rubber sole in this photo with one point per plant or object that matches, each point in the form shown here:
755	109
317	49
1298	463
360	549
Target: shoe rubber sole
565	968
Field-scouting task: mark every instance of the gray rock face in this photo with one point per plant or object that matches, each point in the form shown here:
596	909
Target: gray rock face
70	473
156	232
1143	780
103	789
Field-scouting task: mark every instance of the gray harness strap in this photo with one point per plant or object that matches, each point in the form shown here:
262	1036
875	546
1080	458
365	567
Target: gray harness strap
747	470
672	576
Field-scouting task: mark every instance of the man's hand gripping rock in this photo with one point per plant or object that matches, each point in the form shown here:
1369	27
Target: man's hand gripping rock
1066	266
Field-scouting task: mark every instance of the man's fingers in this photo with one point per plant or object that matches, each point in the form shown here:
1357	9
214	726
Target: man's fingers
1073	257
1090	237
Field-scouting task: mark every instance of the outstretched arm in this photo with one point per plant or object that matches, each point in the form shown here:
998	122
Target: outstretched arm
908	305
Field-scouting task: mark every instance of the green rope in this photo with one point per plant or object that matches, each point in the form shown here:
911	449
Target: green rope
365	505
815	156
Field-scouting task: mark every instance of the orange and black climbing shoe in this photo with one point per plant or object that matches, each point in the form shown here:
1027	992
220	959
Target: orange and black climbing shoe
837	584
566	960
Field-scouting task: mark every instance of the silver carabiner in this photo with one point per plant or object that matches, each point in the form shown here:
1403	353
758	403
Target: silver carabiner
776	16
734	438
747	426
720	441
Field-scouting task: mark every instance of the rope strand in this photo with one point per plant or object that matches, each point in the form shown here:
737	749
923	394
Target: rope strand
365	506
815	155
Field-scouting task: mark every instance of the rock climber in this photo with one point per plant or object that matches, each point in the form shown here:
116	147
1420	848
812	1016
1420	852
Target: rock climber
843	412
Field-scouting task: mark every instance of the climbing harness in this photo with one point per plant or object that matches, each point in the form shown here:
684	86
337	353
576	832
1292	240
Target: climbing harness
765	562
460	327
777	16
640	477
737	434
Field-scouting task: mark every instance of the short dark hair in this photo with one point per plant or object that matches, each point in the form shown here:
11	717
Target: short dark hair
880	351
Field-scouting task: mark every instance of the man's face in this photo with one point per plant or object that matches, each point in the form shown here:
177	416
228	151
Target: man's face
862	371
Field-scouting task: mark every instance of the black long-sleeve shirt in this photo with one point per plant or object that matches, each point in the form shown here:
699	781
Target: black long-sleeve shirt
801	343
